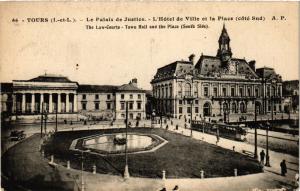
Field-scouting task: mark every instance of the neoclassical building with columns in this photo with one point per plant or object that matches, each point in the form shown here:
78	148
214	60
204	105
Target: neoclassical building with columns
26	100
216	86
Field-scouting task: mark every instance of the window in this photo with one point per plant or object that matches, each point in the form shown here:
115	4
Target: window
215	92
249	92
188	109
180	109
180	90
108	105
122	96
241	92
187	89
180	102
224	92
108	96
131	115
139	105
83	96
96	96
130	105
131	96
196	102
232	92
268	91
83	106
256	92
196	110
123	115
206	91
96	106
139	96
139	115
122	106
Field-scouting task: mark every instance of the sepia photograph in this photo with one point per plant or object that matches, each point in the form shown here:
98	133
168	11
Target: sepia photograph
149	96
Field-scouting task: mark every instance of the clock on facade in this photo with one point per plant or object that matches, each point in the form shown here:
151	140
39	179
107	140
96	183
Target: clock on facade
232	67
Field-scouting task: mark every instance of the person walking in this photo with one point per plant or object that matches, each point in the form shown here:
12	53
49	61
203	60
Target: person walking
262	157
283	168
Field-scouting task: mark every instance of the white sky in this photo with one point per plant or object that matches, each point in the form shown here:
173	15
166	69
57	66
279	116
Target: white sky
115	57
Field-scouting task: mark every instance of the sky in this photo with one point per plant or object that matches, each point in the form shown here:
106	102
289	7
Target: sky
114	57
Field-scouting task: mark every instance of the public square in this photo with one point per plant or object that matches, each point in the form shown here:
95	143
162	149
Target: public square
29	167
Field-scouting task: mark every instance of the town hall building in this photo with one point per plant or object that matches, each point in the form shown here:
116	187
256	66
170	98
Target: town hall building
220	85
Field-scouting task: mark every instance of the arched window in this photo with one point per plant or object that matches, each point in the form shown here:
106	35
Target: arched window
242	107
207	109
273	91
225	106
187	89
233	108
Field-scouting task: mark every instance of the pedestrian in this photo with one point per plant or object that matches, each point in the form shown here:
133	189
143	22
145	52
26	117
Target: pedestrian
283	168
176	188
218	135
262	157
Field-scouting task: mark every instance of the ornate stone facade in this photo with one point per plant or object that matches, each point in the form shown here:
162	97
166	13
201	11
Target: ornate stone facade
216	86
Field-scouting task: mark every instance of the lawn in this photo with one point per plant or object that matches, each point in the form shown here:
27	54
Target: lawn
180	157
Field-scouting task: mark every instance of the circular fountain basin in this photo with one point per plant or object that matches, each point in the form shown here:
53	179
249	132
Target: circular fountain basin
107	144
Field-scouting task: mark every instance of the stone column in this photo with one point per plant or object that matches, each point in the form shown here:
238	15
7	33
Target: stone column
50	103
32	102
23	102
41	101
75	103
14	103
67	103
58	103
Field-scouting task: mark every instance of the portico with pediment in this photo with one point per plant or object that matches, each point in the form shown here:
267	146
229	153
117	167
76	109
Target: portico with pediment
48	93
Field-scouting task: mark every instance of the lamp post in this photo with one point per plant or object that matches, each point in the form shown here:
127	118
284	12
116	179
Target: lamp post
191	100
267	146
255	128
126	172
152	118
82	180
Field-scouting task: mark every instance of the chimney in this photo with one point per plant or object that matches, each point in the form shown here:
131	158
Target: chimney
134	82
191	58
252	65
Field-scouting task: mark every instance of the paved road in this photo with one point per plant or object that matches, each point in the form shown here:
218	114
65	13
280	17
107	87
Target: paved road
269	179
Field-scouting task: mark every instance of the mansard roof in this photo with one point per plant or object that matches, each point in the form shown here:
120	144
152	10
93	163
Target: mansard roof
86	88
268	74
177	68
212	64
